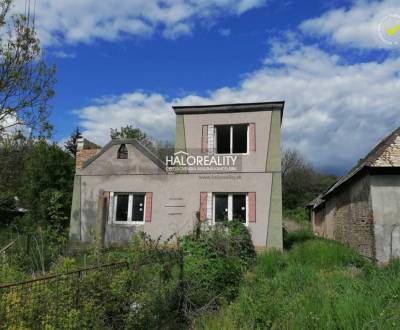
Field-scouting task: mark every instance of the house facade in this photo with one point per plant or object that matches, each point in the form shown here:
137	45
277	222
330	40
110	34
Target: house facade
362	208
227	165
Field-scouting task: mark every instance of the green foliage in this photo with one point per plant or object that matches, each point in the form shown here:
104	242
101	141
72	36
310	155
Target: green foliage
130	132
14	149
298	215
71	144
7	207
164	287
46	189
214	260
26	81
318	284
291	238
159	148
300	182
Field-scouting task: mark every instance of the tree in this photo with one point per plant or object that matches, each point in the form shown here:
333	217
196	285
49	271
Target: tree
46	189
160	148
300	182
26	82
71	144
13	151
130	132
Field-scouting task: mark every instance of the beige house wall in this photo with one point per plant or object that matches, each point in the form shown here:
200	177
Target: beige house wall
254	161
176	197
385	195
176	200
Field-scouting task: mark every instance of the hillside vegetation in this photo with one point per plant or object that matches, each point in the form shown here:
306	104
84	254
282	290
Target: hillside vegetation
318	284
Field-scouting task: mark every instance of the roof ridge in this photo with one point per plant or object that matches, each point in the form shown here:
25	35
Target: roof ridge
367	161
139	146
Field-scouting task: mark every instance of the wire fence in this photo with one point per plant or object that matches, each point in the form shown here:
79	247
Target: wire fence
76	300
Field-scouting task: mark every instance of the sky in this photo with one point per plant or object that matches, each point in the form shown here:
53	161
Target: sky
128	61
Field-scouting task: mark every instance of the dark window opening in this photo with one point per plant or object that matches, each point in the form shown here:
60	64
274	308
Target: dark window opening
123	152
138	208
221	208
122	207
239	208
231	139
223	139
239	143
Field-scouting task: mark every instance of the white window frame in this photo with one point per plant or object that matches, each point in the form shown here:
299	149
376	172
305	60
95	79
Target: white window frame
230	205
231	139
129	221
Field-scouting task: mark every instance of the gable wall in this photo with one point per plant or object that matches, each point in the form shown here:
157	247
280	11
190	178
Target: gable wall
108	164
385	193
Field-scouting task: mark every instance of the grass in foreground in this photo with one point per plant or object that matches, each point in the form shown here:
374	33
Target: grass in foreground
318	284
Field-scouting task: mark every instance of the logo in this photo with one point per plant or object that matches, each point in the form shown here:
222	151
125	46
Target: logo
389	30
196	162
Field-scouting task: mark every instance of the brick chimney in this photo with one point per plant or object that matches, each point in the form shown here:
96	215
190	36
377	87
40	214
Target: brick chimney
85	150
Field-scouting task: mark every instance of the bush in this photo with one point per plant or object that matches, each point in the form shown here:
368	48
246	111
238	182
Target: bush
164	287
7	208
214	261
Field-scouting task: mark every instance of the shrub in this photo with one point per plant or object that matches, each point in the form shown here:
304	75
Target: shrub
164	287
214	261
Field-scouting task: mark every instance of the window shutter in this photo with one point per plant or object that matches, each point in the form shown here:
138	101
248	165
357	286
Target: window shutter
149	207
209	206
252	137
203	206
111	208
252	206
211	139
204	139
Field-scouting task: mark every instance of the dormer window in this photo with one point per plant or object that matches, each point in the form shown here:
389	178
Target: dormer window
122	152
231	139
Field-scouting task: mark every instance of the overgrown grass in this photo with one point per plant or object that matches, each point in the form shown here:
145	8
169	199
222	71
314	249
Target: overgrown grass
318	284
298	215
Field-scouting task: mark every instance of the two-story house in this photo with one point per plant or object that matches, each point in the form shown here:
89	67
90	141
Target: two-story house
227	165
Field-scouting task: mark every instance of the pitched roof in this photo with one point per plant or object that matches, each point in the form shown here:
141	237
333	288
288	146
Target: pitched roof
385	154
139	146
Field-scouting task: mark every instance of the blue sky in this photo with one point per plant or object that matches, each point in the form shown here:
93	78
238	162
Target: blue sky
126	62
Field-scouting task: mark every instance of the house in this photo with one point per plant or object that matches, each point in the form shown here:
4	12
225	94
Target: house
227	165
362	208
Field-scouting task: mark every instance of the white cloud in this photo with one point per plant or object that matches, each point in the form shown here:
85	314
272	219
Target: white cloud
334	112
150	112
357	26
73	21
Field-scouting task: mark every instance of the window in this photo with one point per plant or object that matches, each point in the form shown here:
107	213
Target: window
123	152
129	207
230	206
221	207
232	139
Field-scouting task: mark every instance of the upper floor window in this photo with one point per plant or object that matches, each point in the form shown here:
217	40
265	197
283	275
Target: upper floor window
231	139
122	152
